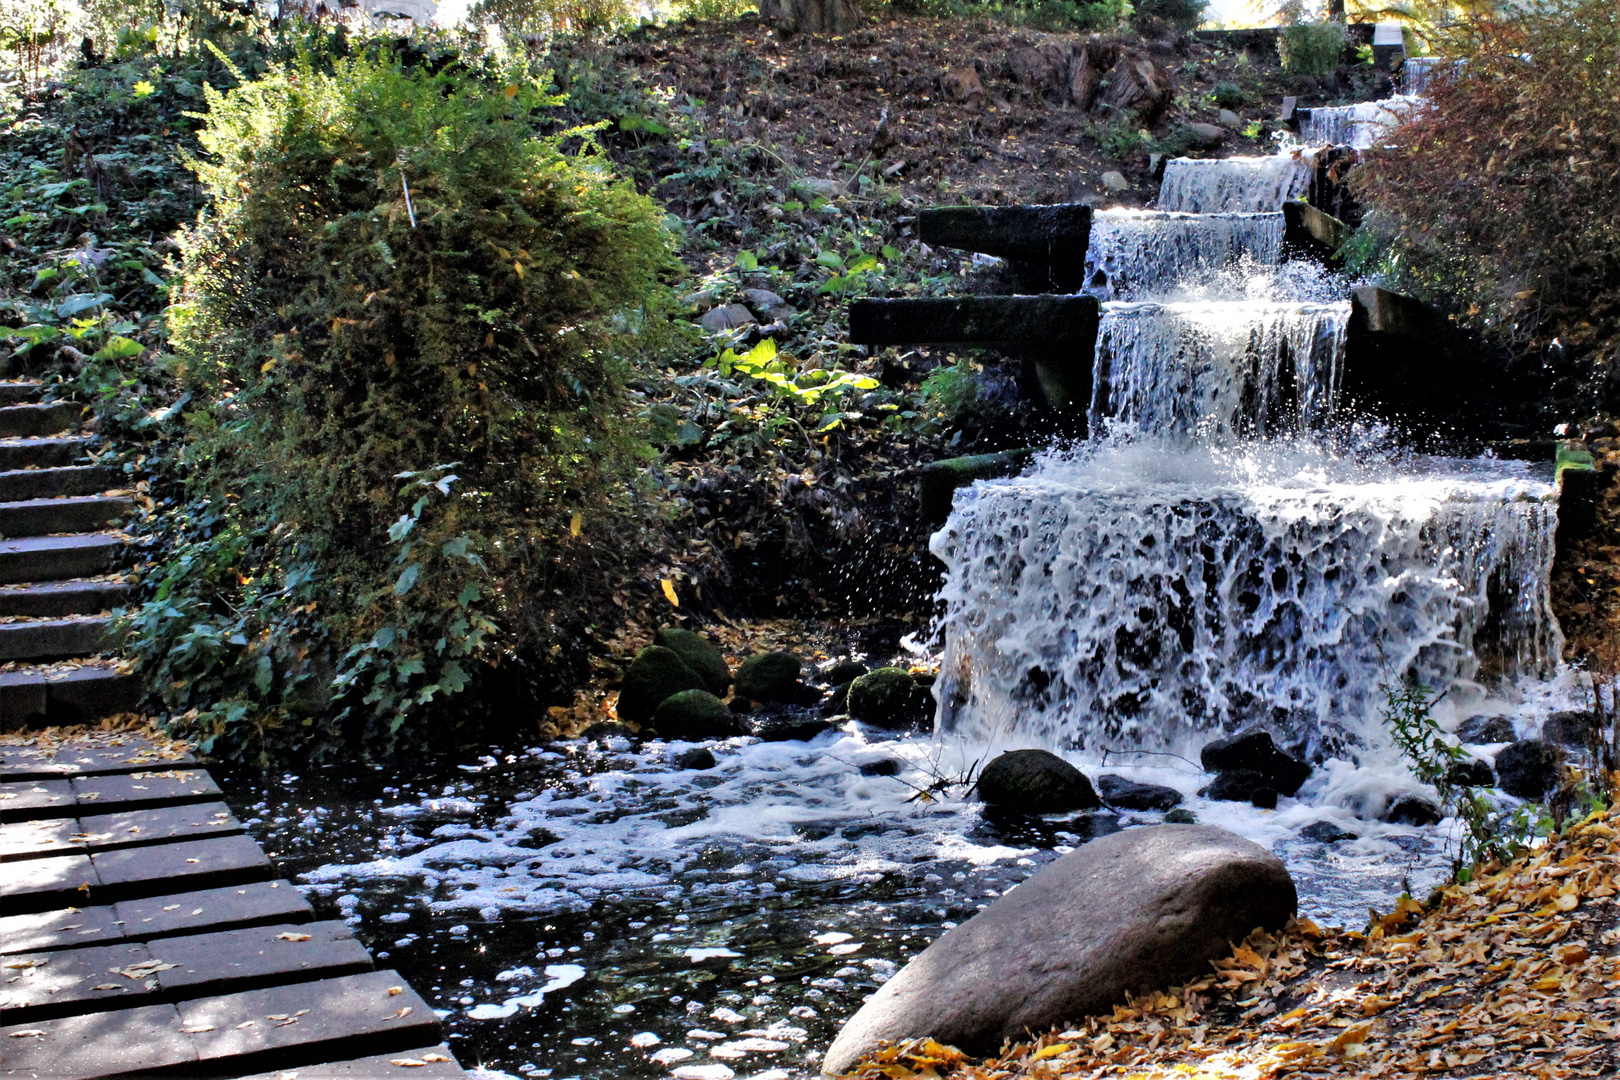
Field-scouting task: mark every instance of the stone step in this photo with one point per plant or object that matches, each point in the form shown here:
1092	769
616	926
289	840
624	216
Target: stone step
284	1027
421	1063
80	695
1056	333
56	558
31	421
76	514
57	599
42	639
129	873
14	393
92	754
54	984
20	484
43	453
1042	319
254	904
1050	238
90	833
1314	233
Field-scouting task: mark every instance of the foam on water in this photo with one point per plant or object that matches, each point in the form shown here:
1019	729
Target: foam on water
1236	184
1217	369
1143	254
1147	594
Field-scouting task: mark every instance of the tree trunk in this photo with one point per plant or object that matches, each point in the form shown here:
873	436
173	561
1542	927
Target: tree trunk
812	16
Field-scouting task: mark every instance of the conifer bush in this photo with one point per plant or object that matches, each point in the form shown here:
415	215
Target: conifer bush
405	324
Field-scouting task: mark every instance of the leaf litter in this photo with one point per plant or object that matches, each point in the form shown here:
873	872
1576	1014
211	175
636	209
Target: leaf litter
1513	973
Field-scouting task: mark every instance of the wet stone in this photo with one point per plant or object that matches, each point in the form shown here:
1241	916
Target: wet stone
1471	773
780	726
1124	794
1254	751
210	963
1412	810
1325	832
1572	728
1036	782
1528	768
880	767
132	828
1486	729
42	986
698	758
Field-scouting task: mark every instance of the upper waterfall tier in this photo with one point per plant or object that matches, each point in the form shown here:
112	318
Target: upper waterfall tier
1235	184
1144	595
1219	370
1361	125
1142	254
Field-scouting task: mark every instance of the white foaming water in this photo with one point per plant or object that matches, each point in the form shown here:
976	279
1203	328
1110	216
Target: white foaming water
1148	594
1140	254
1217	369
1236	185
1361	125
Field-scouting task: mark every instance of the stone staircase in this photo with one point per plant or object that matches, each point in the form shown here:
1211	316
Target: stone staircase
59	566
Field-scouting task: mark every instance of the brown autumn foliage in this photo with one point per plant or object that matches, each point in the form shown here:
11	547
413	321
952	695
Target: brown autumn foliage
1506	193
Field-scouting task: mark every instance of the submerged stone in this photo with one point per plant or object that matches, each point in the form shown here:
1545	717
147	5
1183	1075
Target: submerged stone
773	726
890	698
1140	910
654	675
1470	773
1254	750
1412	810
1036	782
1325	832
1180	816
844	672
698	758
1124	794
1242	785
1528	769
772	676
698	653
880	767
694	714
1486	729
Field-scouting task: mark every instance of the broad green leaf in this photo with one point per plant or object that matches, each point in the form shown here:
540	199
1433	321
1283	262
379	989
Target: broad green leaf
407	578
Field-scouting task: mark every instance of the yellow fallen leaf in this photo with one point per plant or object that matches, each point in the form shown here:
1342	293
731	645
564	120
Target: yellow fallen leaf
434	1057
1052	1051
408	1063
395	991
293	937
669	591
1349	1037
197	1029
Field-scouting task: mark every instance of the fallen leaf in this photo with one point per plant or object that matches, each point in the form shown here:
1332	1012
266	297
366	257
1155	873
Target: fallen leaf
31	1033
408	1063
197	1029
293	937
395	991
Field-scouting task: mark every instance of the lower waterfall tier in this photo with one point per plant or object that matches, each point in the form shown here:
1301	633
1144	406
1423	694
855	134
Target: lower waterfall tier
1142	596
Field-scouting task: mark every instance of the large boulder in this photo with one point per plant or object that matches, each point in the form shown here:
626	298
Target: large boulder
1254	751
698	653
1036	782
654	675
1144	909
691	715
1573	728
772	676
889	698
1528	768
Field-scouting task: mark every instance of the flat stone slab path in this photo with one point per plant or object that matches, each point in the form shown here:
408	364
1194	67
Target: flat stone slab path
144	933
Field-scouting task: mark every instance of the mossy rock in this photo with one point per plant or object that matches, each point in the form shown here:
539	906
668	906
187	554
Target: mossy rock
654	675
692	715
698	653
772	676
890	698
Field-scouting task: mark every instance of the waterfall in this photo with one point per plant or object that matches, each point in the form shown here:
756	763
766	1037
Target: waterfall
1218	370
1361	125
1419	72
1235	184
1135	254
1146	595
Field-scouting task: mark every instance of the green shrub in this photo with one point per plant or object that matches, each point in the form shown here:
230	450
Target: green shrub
405	326
1311	48
1503	194
1181	14
534	20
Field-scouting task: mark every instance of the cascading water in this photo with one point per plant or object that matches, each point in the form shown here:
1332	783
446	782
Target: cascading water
1220	554
1361	125
1146	595
1235	185
1217	370
1135	254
